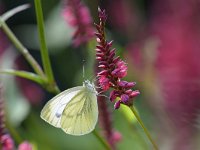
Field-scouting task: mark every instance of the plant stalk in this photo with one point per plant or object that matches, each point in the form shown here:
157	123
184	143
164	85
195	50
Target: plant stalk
36	67
43	45
143	127
103	142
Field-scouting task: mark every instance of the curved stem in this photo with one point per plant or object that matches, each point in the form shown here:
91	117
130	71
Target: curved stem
24	74
22	49
14	11
103	142
143	127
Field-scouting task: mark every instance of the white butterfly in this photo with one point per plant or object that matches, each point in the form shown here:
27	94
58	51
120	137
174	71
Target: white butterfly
75	110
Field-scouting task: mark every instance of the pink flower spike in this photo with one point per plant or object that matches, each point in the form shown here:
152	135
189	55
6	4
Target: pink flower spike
76	14
102	15
25	146
111	68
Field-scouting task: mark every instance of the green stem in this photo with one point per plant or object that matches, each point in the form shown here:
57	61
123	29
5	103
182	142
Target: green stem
103	142
143	127
18	139
51	86
22	49
24	74
43	46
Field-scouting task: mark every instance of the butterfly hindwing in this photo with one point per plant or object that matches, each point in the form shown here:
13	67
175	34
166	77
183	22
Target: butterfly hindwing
81	113
52	111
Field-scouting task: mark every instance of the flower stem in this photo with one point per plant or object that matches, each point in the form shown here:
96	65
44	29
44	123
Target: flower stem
143	127
51	86
103	142
21	48
14	133
43	46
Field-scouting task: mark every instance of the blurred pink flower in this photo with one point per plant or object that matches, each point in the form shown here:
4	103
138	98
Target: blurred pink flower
2	118
116	136
123	16
33	92
3	42
25	146
78	16
176	25
6	142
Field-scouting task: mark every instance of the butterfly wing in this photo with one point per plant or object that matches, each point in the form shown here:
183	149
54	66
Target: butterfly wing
81	113
52	111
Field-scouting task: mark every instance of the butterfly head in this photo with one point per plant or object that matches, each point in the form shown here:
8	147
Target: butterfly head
90	86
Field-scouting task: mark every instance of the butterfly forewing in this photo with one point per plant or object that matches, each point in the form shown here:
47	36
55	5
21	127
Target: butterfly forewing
81	113
52	111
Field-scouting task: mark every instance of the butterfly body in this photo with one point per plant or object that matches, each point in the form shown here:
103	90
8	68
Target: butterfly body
75	110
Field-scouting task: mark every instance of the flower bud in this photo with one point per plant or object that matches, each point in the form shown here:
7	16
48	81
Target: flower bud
124	98
117	105
104	72
128	91
134	94
113	95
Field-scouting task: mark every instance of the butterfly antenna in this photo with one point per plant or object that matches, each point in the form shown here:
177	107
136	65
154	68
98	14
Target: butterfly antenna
83	70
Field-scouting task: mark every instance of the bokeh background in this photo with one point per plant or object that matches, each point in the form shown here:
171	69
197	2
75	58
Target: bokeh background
159	40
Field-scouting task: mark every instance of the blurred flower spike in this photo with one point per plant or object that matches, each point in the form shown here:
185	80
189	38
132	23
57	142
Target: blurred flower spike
78	16
113	69
6	141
